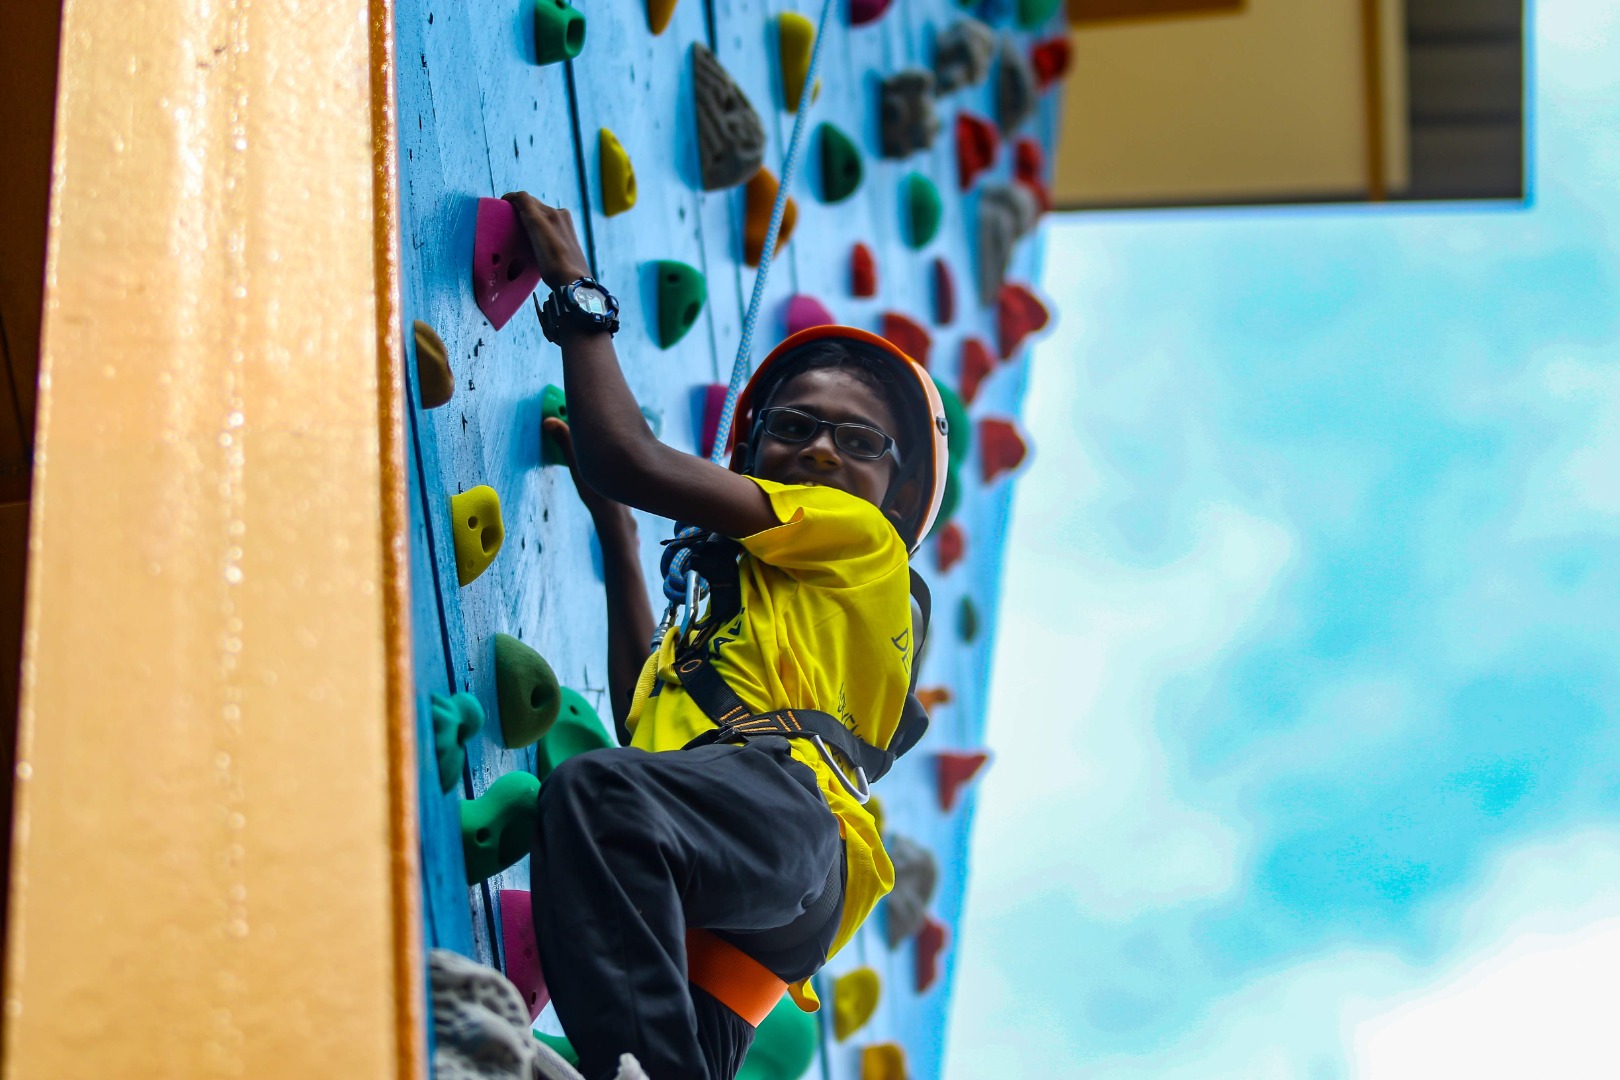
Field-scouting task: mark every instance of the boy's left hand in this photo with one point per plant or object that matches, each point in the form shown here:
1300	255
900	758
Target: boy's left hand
552	236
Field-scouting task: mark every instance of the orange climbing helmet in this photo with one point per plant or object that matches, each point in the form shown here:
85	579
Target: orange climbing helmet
915	393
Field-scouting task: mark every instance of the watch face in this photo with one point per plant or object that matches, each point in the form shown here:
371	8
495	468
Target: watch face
591	300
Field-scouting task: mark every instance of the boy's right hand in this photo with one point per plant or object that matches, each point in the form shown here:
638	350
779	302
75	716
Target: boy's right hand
552	236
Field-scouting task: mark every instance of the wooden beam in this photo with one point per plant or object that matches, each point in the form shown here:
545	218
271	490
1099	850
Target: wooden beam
1372	73
1084	12
214	865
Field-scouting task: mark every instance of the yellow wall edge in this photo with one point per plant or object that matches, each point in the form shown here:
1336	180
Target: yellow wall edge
214	866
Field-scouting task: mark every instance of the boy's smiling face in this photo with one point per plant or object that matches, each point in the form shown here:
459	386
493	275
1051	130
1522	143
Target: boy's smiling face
838	396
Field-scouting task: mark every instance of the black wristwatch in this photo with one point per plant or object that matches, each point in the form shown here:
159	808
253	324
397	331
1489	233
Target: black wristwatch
579	305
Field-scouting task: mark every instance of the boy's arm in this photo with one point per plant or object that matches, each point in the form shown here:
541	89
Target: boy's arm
629	614
617	453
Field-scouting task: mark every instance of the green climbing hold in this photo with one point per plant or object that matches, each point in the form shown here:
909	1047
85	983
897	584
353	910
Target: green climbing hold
577	730
497	826
526	692
559	31
840	164
967	620
552	403
456	719
919	199
960	438
682	293
948	501
784	1045
1033	13
559	1043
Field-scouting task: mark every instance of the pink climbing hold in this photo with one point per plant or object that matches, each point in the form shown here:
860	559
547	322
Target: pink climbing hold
804	312
955	769
714	399
977	364
931	941
908	335
944	293
504	270
1001	448
949	547
1019	313
519	950
862	12
862	271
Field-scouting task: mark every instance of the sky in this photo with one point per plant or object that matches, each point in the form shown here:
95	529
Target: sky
1304	705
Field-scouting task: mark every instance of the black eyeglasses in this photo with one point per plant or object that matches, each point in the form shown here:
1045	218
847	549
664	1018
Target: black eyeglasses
857	440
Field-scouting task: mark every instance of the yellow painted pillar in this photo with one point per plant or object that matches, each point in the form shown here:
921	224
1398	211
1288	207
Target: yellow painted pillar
214	871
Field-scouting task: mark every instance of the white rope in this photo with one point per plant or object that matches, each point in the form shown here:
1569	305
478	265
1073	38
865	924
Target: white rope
741	367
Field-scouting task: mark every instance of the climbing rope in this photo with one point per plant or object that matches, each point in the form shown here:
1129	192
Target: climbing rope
741	367
681	585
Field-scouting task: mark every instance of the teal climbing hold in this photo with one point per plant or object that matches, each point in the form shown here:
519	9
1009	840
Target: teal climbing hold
559	31
456	719
1033	13
784	1045
960	437
967	620
841	168
681	295
496	827
552	403
526	692
921	207
577	730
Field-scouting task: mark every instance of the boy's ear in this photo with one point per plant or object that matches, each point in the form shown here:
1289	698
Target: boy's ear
903	500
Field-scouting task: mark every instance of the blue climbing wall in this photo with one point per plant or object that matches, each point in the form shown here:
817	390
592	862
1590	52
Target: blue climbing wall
479	117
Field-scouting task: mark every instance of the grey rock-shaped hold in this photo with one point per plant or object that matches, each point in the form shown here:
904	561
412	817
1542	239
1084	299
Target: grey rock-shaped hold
1015	87
906	112
480	1024
1006	212
962	55
731	140
915	876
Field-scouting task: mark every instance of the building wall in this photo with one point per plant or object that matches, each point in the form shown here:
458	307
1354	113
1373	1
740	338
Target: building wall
1268	103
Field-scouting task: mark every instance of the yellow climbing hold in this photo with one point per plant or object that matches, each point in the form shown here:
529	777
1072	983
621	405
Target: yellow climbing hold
475	518
659	13
855	997
618	178
883	1061
795	38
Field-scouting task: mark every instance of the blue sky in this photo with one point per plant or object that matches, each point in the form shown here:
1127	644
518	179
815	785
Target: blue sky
1321	535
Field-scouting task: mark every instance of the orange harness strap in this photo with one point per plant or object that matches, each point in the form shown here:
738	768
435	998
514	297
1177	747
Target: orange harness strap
735	979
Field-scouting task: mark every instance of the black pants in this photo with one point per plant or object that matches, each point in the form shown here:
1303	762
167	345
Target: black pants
633	848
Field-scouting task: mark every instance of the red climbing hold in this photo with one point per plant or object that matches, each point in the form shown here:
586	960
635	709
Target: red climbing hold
1029	160
804	312
950	546
931	940
862	271
977	363
521	953
1019	313
862	12
504	270
944	293
955	770
1043	195
976	144
1050	59
908	335
1001	448
714	399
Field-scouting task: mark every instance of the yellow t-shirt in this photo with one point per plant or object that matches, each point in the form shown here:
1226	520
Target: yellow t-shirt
825	624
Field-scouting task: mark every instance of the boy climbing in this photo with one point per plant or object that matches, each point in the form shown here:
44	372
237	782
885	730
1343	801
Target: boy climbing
684	881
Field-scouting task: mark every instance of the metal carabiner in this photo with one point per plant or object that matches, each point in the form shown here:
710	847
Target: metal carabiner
692	600
860	793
